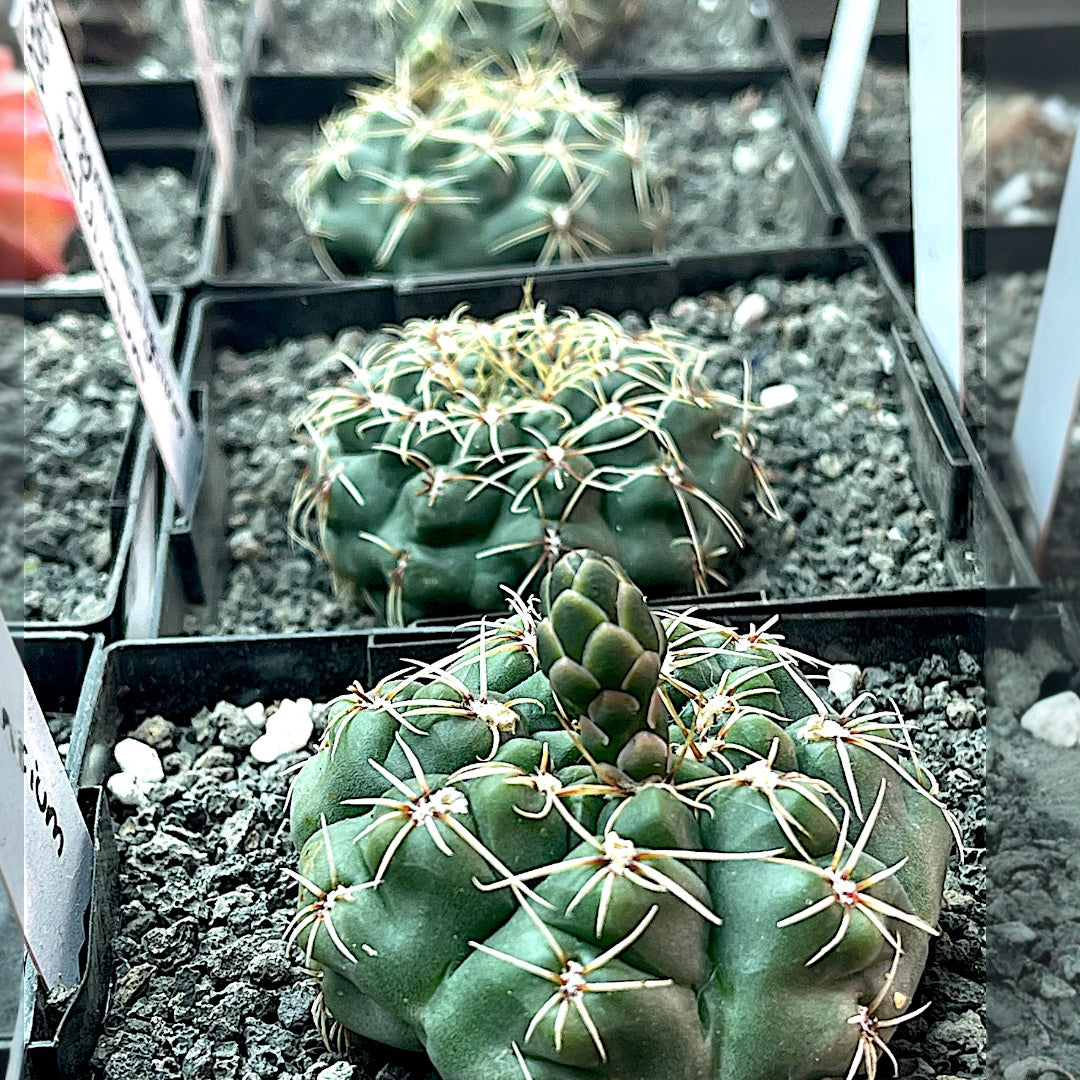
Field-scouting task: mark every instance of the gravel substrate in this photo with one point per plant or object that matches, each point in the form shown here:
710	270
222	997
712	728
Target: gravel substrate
731	164
1000	324
837	456
1016	148
205	988
79	402
1033	859
341	35
168	54
161	207
11	470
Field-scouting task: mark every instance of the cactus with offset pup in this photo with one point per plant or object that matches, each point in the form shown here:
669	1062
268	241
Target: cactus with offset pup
464	456
477	169
611	843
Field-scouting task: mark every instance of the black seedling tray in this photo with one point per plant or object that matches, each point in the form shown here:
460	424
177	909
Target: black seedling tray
192	558
299	102
121	104
39	306
64	668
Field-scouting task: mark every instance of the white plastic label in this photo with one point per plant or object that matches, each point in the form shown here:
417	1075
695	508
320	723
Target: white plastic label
936	197
211	92
105	232
843	72
1051	393
47	870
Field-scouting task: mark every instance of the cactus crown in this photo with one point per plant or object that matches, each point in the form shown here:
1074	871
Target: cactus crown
463	456
609	843
438	33
475	168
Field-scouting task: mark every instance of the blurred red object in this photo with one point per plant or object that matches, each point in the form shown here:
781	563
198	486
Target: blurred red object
37	216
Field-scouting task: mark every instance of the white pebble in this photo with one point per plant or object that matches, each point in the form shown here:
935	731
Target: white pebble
1016	191
843	678
776	397
256	714
751	310
765	119
745	159
887	359
127	788
287	730
139	761
1055	720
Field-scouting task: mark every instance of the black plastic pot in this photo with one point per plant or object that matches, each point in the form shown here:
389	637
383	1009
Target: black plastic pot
65	670
38	306
299	102
175	679
192	557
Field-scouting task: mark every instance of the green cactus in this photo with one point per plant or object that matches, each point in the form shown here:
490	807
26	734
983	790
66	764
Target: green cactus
477	169
464	457
611	843
434	34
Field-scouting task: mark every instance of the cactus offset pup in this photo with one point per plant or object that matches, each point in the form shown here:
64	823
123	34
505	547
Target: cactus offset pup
466	456
613	844
477	169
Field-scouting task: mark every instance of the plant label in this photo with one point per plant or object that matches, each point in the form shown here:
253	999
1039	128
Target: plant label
936	196
49	64
1050	397
212	92
843	72
48	863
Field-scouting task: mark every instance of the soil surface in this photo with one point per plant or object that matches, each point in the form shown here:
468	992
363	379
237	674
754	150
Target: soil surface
167	54
339	35
731	164
77	417
161	207
1016	148
11	468
1033	859
837	456
205	988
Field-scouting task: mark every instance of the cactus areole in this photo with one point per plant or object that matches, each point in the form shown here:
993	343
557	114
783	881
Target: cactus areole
464	457
610	843
476	168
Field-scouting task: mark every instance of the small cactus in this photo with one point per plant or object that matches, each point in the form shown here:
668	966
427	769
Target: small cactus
477	169
613	843
432	34
465	456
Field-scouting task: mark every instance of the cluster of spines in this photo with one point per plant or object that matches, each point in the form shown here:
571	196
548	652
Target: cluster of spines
695	641
523	406
527	113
